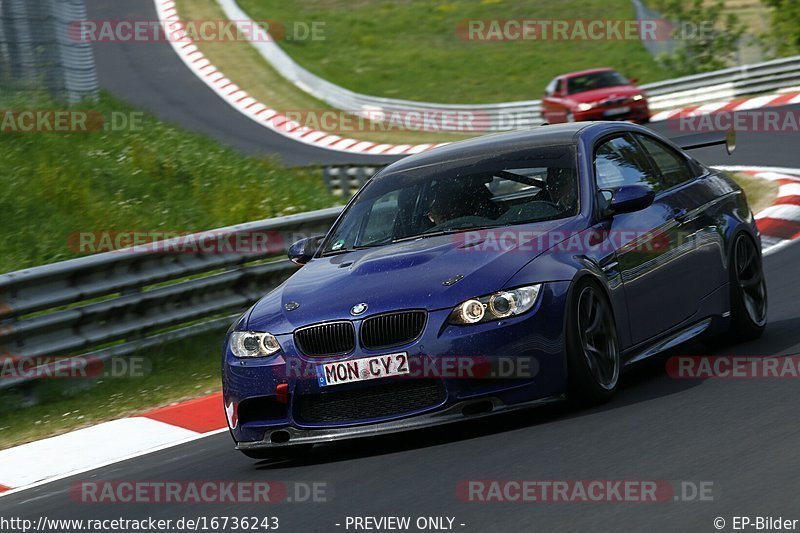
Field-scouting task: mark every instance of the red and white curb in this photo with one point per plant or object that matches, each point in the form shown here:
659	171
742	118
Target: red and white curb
270	118
87	449
261	113
779	224
732	106
43	461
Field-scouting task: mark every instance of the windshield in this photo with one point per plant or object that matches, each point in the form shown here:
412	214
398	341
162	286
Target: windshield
596	80
431	201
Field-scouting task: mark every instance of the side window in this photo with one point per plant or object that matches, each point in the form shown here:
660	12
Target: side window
673	167
560	85
380	222
619	162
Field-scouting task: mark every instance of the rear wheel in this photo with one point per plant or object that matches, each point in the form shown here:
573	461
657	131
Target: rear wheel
748	290
593	357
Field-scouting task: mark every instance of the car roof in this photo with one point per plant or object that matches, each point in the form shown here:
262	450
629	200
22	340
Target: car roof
584	72
490	146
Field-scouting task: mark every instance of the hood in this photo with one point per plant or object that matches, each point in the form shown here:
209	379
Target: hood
596	95
430	273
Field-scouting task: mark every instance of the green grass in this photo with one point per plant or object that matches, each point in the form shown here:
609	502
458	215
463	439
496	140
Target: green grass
157	178
242	63
409	49
181	370
760	193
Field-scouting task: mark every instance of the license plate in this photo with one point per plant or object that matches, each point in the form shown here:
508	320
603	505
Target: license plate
616	111
381	366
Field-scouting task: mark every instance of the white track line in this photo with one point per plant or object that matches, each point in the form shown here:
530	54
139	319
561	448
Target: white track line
110	441
783	212
774	171
792	189
248	106
263	115
109	462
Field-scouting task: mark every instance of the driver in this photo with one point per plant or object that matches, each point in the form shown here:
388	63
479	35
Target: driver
467	197
442	208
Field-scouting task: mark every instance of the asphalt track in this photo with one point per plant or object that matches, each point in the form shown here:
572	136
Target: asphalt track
150	76
742	435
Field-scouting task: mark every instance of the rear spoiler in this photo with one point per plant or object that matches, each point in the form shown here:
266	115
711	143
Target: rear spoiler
704	140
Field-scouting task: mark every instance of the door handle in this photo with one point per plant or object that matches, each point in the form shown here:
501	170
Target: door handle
680	214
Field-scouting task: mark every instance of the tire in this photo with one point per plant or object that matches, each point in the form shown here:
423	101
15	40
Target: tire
748	294
570	116
288	452
593	359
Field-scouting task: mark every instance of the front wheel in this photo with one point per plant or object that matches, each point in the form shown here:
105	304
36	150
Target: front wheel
593	358
748	290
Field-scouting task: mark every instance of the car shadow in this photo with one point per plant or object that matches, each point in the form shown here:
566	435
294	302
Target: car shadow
641	382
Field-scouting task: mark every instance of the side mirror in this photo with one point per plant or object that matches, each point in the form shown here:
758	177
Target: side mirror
633	81
629	199
303	250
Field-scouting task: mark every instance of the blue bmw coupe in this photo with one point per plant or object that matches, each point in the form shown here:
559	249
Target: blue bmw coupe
491	275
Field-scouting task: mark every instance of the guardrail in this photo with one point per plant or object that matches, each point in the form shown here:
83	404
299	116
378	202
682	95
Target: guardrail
344	181
690	90
115	303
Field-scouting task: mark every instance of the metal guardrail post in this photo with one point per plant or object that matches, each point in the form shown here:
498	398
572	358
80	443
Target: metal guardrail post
39	50
76	59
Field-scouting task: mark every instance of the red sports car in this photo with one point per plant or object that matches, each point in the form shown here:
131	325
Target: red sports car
597	94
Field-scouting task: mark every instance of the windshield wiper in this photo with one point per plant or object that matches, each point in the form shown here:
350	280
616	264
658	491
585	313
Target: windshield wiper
352	249
448	231
425	235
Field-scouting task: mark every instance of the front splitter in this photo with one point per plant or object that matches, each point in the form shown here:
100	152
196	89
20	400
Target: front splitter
466	410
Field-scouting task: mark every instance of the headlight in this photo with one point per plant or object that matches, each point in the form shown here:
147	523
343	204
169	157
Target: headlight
584	107
253	344
637	97
495	306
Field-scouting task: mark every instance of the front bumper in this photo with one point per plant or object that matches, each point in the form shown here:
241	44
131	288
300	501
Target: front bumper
467	410
637	112
262	414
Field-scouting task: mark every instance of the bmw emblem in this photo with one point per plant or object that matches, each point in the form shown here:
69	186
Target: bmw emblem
358	309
